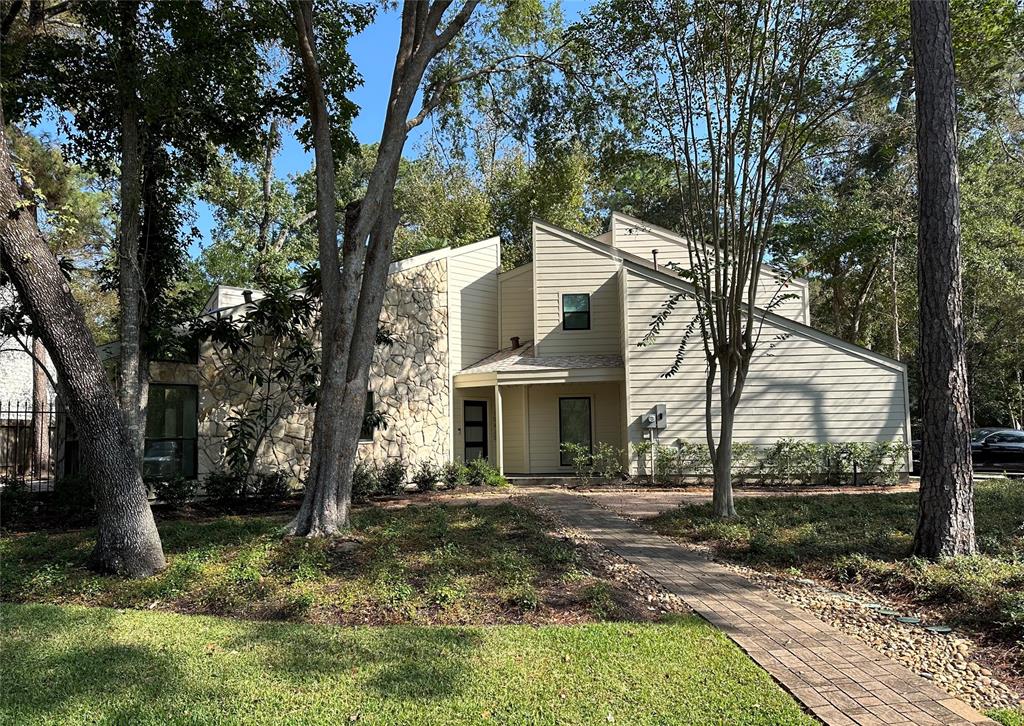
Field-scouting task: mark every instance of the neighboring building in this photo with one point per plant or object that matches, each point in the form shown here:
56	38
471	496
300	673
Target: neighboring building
454	384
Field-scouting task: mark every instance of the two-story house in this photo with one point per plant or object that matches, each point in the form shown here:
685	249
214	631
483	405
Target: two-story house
508	365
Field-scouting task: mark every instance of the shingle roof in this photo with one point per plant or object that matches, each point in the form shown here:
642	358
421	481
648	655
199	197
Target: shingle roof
522	360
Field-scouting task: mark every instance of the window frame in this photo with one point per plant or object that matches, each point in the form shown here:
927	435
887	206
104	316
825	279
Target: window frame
590	424
195	439
562	311
368	408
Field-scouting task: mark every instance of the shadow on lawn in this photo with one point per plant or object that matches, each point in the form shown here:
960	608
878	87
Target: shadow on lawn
60	658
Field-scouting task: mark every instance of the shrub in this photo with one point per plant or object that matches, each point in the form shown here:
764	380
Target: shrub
73	499
480	472
365	482
453	474
15	500
176	492
608	460
224	488
582	461
426	476
666	463
694	458
392	476
642	454
271	486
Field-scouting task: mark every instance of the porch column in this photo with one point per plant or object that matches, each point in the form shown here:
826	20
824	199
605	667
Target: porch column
498	433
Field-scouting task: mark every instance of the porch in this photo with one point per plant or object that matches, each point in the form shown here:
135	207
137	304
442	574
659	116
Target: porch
515	409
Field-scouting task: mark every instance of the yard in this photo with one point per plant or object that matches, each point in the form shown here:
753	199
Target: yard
420	564
482	615
865	539
73	664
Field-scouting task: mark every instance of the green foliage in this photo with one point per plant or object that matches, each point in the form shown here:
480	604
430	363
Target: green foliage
642	454
454	473
480	472
365	481
271	486
224	488
392	477
581	460
608	460
426	476
15	500
176	492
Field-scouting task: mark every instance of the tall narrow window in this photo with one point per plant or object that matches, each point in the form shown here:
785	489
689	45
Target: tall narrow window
171	432
369	419
573	425
575	311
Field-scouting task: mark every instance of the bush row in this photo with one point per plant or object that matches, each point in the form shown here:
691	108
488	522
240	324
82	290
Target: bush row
789	462
370	480
786	462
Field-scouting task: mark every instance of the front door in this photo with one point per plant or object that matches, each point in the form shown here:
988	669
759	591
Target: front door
573	425
474	427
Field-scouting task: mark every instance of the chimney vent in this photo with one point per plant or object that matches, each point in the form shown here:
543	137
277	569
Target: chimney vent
515	341
247	296
654	256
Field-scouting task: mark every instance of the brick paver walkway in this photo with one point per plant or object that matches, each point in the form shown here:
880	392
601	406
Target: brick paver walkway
838	678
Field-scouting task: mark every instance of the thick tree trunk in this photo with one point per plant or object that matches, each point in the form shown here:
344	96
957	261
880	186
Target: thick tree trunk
946	519
132	373
352	303
127	542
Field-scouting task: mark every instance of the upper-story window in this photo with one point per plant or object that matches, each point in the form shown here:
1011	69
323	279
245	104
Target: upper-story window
575	311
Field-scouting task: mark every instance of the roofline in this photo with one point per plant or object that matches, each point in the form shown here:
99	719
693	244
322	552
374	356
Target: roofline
667	233
516	271
648	268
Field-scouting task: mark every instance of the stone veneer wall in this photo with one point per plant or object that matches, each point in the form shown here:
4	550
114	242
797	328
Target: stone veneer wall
410	381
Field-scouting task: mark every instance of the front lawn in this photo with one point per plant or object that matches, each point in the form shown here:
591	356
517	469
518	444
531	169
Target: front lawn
78	665
430	564
867	538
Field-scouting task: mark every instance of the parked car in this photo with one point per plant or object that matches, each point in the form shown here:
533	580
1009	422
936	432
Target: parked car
1001	451
989	450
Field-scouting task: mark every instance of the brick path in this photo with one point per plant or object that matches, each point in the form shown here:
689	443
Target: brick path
838	678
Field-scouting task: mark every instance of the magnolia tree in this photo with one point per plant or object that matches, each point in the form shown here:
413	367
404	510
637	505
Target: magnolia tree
735	94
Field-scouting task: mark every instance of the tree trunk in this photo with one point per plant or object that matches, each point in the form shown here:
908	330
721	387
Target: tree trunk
132	373
40	419
946	518
127	541
722	499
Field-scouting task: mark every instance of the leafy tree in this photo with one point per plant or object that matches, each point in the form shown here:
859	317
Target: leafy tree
736	96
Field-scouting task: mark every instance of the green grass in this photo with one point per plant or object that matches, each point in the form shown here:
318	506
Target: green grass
75	665
431	564
867	539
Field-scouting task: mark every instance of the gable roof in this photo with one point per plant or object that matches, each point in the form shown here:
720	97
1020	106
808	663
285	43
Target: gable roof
639	265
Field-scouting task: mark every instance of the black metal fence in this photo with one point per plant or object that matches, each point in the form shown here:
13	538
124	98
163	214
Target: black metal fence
37	445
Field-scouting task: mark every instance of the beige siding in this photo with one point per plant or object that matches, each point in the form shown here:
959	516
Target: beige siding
474	394
514	423
800	385
637	237
473	302
606	420
516	301
560	266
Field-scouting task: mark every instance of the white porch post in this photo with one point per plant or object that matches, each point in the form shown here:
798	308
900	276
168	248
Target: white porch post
498	433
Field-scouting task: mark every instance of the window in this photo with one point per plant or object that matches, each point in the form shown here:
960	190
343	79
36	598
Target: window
171	432
576	311
573	425
370	419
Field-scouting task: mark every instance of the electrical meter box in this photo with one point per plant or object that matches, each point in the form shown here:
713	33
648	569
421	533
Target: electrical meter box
657	418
